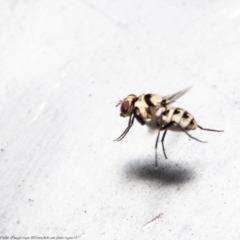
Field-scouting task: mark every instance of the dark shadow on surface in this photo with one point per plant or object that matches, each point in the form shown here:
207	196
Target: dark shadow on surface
166	173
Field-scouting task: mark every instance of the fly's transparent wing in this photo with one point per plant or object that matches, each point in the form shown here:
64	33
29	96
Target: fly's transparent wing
166	100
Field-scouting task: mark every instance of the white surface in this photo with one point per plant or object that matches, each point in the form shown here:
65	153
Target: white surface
63	67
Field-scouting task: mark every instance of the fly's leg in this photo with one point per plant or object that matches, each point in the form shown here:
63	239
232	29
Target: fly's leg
207	129
164	134
156	145
189	134
162	140
130	123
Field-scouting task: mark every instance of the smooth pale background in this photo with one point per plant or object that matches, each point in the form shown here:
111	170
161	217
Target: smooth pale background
64	65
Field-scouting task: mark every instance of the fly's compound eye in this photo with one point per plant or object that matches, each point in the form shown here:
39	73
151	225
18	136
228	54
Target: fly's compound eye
125	107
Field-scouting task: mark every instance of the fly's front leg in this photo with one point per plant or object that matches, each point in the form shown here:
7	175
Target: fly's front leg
130	123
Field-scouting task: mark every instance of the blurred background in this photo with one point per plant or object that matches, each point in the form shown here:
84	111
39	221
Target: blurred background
63	67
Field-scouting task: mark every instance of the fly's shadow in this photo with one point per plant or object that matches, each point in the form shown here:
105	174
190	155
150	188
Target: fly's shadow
166	173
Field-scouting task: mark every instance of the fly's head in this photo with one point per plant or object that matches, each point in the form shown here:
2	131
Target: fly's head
127	105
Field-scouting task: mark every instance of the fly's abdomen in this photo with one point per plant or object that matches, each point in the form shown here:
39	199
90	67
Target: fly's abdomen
187	122
180	117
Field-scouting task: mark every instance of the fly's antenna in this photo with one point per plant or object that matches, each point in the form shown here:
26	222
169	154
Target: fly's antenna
119	103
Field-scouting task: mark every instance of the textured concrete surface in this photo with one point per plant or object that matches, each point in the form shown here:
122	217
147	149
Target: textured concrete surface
63	67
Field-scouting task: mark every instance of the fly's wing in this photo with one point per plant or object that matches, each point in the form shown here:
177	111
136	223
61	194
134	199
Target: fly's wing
156	104
161	103
166	100
151	106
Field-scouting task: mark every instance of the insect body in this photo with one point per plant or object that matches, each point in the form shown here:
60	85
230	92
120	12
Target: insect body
144	107
152	110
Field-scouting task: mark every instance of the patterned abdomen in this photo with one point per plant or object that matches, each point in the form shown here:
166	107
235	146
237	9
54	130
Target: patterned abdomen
179	117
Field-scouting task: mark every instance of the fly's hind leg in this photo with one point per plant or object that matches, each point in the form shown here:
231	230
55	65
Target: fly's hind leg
207	129
184	130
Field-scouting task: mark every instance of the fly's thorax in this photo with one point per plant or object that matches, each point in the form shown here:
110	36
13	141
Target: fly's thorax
152	124
127	105
145	108
156	100
155	120
141	108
